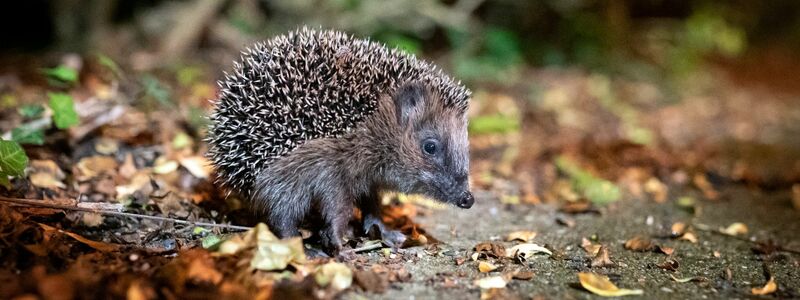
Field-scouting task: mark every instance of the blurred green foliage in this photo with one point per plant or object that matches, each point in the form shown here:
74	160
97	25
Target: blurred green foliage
595	189
64	115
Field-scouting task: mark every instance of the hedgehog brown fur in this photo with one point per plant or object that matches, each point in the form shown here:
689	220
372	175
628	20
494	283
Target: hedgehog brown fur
302	107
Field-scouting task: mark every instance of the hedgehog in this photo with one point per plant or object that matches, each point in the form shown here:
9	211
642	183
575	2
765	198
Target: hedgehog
312	124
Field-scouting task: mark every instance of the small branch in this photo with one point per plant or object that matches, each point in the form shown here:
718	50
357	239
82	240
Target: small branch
368	247
44	203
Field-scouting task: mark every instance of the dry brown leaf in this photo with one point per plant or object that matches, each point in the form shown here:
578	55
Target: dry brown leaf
769	288
602	259
100	246
201	269
734	229
46	174
796	196
93	166
600	285
522	275
666	250
669	264
522	235
128	168
485	267
677	229
590	248
639	243
491	249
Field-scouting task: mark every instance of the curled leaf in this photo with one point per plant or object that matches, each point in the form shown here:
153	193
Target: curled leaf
768	288
486	267
525	251
734	229
600	285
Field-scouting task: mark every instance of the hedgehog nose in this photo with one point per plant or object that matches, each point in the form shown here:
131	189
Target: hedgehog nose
466	200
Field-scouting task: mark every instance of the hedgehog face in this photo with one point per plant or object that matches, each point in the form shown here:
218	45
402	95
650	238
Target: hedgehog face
435	149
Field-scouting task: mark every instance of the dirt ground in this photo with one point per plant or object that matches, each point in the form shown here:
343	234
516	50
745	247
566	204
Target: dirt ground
729	275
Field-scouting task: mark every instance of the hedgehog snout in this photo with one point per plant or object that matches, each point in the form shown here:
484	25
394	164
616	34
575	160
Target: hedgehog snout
466	200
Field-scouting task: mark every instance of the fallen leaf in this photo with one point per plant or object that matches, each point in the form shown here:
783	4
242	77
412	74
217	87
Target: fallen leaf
93	166
590	248
522	275
201	269
491	282
273	254
769	288
666	250
46	174
677	229
600	285
602	259
525	251
491	249
521	235
734	229
106	146
689	237
100	246
669	264
372	281
335	274
486	267
639	244
796	196
199	166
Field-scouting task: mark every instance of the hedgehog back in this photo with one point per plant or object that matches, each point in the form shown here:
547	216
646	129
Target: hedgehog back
305	85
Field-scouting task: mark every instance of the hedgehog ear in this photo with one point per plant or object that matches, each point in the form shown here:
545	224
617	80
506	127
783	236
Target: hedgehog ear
407	100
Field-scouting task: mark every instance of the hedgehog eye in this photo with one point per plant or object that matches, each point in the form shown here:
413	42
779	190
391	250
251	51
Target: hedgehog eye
430	146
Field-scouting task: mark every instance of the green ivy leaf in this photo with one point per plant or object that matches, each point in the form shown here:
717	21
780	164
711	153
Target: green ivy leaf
27	135
63	74
12	161
31	111
64	114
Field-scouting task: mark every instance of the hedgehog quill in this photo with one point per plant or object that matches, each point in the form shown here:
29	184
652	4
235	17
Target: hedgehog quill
312	124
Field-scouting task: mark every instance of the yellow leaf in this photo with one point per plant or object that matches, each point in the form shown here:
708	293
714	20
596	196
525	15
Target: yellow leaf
485	267
768	288
521	235
199	166
735	229
600	285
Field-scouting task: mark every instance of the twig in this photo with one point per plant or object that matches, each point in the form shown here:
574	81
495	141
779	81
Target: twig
367	247
44	203
707	228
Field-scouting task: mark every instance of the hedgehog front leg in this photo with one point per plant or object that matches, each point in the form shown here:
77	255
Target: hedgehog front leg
336	213
371	217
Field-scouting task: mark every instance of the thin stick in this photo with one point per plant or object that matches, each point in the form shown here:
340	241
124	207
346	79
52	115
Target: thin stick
44	203
372	246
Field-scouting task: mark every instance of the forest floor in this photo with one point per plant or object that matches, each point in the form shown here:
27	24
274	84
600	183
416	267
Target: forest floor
586	184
